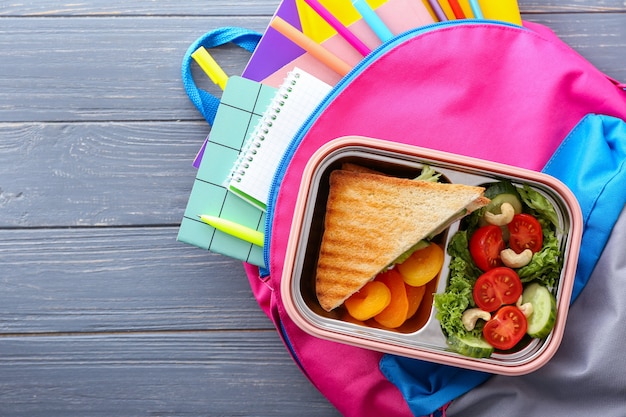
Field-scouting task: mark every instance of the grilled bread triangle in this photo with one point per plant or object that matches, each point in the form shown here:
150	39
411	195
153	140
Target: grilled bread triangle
372	219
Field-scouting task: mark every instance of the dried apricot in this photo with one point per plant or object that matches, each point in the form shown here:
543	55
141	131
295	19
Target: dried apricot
396	312
415	296
422	266
369	301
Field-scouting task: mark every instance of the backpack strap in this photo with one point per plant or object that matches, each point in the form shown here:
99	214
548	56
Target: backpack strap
204	101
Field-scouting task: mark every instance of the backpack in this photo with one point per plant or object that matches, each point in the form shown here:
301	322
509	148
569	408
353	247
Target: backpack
484	89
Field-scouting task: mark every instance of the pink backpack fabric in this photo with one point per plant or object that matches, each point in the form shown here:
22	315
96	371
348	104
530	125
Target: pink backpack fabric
490	91
477	88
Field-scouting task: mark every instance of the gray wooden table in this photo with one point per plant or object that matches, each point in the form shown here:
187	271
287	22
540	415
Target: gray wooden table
102	312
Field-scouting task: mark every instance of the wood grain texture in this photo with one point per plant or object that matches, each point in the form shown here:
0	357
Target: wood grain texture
96	174
183	374
119	280
105	69
52	8
112	69
571	6
224	7
102	312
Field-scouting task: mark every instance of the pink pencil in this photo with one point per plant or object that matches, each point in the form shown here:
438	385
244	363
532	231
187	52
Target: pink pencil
338	26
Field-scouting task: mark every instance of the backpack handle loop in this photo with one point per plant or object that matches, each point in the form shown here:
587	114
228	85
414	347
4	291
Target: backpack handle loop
204	101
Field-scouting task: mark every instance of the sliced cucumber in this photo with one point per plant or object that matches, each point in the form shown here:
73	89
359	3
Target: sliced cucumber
497	201
542	320
502	187
474	347
499	193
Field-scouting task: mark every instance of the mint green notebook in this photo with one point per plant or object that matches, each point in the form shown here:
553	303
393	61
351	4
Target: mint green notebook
242	105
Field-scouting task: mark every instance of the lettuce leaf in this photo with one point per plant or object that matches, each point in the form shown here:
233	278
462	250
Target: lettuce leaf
538	205
451	304
545	266
428	174
458	297
458	248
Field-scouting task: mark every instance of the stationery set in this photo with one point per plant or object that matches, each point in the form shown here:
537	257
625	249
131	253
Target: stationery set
259	113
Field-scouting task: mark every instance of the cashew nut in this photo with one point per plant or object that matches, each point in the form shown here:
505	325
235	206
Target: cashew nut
471	316
516	260
506	215
526	308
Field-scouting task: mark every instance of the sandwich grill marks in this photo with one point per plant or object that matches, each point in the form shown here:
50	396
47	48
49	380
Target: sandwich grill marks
372	219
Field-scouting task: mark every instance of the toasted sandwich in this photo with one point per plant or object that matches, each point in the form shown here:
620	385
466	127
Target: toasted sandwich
372	220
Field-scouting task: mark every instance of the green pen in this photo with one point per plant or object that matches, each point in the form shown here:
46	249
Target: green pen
234	229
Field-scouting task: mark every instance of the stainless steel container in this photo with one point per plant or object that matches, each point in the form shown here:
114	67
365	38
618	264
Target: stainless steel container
421	337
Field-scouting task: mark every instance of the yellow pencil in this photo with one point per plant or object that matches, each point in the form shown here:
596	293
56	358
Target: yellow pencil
210	67
234	229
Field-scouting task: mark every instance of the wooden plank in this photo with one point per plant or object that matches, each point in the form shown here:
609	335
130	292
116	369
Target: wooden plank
97	8
106	69
225	7
111	69
116	320
571	6
118	280
196	374
85	174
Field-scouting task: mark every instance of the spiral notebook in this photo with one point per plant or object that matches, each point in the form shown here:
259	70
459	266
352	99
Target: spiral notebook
294	101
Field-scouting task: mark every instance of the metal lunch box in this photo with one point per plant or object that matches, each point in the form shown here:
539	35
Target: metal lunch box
421	337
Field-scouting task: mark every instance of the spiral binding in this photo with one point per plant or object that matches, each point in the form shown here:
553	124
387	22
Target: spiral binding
261	130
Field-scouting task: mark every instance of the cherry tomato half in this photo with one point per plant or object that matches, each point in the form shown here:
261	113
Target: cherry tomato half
485	246
497	287
525	233
506	328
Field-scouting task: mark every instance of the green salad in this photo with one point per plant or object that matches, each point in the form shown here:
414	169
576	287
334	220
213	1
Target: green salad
505	261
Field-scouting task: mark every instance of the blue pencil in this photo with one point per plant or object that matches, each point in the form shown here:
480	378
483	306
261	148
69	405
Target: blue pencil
372	19
478	13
